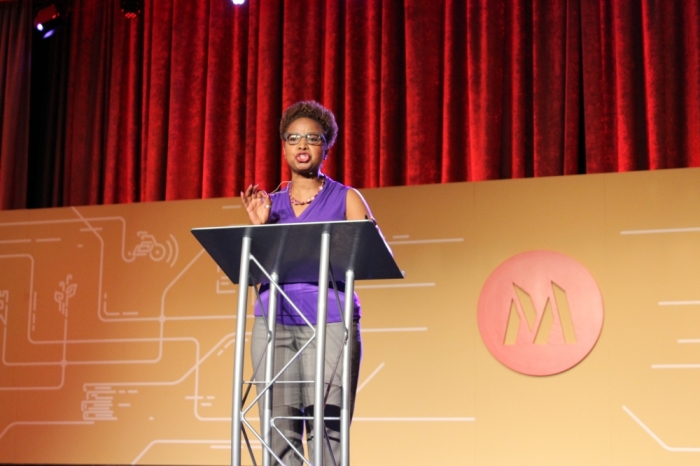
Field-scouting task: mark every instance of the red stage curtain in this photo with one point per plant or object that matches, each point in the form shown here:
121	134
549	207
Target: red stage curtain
184	102
15	71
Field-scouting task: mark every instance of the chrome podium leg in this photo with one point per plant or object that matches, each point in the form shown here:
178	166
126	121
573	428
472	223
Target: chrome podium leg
239	353
347	364
269	369
319	424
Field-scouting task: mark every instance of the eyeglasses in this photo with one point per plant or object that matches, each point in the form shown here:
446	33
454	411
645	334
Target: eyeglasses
314	139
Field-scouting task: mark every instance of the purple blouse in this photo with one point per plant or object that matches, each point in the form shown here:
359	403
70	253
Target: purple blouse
327	206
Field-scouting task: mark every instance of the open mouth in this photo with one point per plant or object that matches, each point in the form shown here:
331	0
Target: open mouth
303	157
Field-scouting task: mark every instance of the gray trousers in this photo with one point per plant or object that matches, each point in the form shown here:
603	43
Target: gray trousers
297	399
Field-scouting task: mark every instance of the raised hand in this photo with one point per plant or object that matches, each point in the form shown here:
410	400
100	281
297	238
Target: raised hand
257	203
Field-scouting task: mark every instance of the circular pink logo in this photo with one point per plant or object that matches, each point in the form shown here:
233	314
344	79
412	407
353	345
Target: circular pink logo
540	313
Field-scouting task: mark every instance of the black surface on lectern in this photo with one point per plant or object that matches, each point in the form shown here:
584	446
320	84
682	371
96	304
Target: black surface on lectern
293	250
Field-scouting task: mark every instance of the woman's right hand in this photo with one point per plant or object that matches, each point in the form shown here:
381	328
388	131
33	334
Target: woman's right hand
257	203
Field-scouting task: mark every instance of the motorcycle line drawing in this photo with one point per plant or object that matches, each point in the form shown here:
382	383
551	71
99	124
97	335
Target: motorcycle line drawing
148	246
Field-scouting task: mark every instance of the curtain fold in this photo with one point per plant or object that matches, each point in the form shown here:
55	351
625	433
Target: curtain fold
15	77
184	101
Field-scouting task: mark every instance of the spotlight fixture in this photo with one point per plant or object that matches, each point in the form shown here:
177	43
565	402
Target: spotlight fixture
238	2
49	19
131	8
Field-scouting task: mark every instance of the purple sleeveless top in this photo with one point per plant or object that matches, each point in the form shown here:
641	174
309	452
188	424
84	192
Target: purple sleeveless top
329	205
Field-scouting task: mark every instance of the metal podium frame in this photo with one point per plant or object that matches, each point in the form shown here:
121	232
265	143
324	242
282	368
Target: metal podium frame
351	249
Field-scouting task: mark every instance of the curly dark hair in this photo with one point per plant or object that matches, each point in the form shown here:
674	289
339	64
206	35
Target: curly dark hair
315	111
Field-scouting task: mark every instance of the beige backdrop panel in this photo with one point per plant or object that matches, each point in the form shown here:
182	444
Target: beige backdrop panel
117	329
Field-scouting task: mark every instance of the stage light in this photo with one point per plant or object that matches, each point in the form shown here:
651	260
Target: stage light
238	2
131	8
48	20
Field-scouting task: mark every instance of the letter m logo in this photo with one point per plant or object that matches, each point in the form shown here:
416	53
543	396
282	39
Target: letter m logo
550	323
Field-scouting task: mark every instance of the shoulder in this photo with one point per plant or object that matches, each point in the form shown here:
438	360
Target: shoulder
334	191
349	199
331	184
354	195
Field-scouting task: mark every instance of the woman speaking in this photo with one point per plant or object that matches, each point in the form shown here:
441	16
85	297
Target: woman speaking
308	131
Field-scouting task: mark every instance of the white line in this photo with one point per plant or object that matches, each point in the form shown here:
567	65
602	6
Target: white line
48	240
398	285
231	206
427	241
400	236
45	423
656	437
198	362
660	230
393	330
174	251
679	303
371	376
107	340
180	442
79	219
15	241
82	220
67	220
254	444
232	316
688	340
414	419
101	299
675	366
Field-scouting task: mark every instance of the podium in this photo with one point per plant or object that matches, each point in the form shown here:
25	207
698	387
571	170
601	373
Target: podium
317	252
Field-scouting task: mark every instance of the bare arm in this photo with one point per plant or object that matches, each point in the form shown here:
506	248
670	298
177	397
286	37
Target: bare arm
356	208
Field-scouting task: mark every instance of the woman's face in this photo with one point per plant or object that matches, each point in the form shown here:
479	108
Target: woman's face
304	157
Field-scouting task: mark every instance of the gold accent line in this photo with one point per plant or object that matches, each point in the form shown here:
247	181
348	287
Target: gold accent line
660	230
427	241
